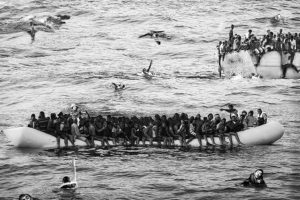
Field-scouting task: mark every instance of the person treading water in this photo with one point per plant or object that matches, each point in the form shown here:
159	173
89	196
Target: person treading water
147	72
118	86
255	179
32	32
67	183
26	197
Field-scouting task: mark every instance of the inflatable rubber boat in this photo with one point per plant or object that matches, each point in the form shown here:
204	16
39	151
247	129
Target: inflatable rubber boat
270	65
25	137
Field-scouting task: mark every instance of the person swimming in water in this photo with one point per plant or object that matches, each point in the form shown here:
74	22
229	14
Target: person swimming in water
32	32
118	86
255	179
67	183
147	72
26	197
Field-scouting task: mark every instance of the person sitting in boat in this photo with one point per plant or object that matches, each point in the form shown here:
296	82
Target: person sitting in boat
147	131
255	180
208	129
261	117
199	122
51	127
42	122
59	126
232	127
192	130
33	121
182	132
248	35
134	139
66	181
91	132
220	130
243	119
74	111
76	133
250	120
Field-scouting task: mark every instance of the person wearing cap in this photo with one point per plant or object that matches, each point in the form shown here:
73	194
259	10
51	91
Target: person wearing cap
255	179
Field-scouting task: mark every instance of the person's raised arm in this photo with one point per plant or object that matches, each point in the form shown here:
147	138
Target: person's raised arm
149	66
74	170
89	117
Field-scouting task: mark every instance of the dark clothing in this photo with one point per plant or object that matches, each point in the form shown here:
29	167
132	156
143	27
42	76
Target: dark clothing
42	124
234	126
254	182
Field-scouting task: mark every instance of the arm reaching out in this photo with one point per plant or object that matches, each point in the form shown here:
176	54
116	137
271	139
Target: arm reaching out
74	170
149	66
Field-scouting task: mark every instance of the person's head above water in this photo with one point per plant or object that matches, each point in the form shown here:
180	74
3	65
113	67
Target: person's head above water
66	179
25	197
259	174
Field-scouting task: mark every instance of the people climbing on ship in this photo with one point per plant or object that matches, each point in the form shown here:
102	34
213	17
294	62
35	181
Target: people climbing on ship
283	43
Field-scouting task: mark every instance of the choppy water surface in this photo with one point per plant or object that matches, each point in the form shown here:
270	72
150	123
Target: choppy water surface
99	45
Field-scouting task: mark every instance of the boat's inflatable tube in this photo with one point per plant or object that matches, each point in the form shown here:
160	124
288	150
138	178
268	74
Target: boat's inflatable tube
243	63
31	138
238	63
270	65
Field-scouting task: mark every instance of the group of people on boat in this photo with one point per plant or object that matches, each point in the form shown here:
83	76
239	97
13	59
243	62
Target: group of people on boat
135	130
281	42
